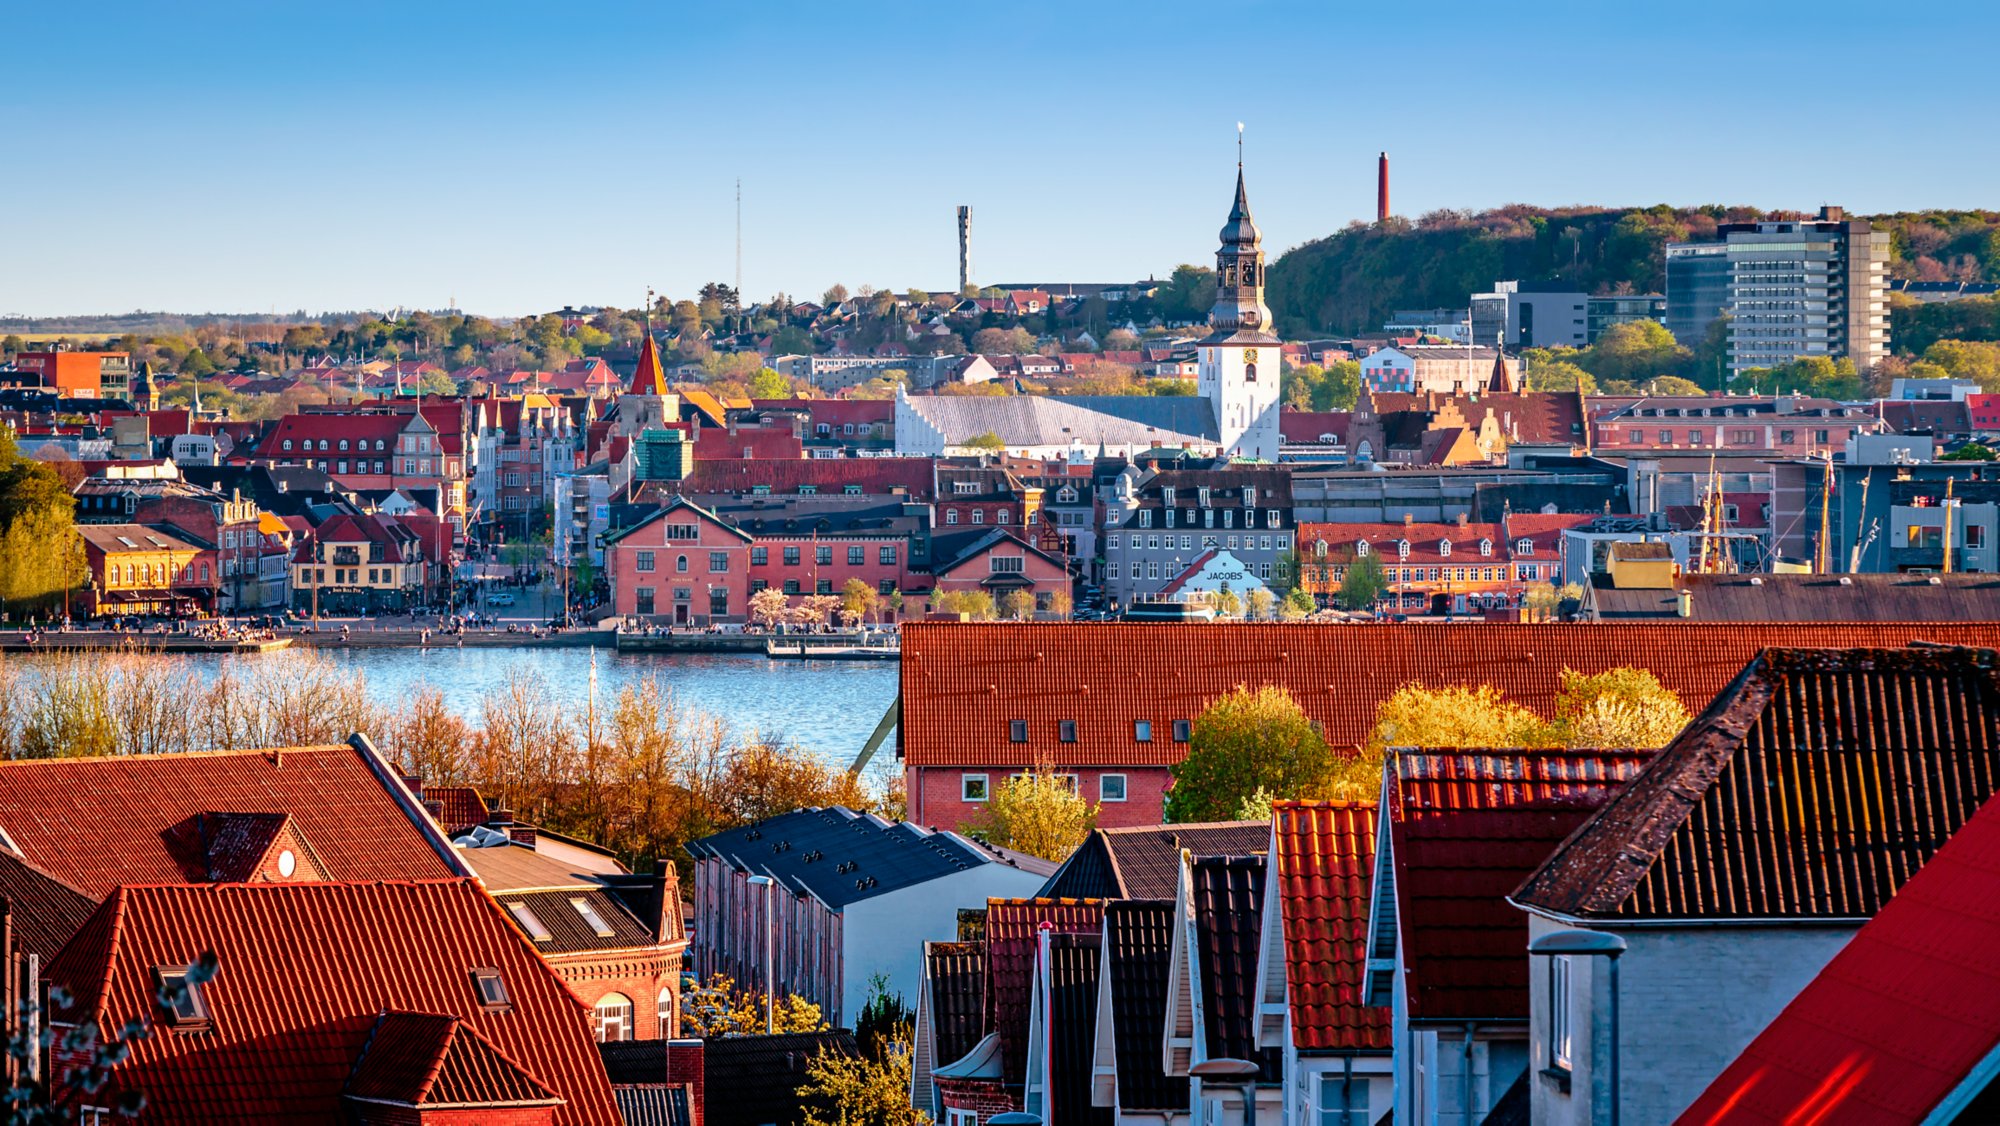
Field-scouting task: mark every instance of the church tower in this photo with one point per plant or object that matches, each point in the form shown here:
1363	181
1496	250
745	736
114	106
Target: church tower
1239	362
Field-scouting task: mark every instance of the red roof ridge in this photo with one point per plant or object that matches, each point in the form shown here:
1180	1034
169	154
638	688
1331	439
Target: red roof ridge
240	751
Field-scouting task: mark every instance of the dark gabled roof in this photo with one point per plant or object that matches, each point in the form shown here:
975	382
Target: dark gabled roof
1140	937
569	932
1807	598
1898	1020
42	910
957	972
1229	930
1812	788
754	1080
840	857
1144	862
950	552
671	506
1466	826
1011	929
1071	1024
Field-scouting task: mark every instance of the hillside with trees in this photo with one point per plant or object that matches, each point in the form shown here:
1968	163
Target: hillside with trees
1353	280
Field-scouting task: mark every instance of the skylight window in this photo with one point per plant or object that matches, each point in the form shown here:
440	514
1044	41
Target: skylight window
492	990
591	918
181	997
530	922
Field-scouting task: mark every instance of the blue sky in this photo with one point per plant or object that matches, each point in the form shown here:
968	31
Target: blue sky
516	157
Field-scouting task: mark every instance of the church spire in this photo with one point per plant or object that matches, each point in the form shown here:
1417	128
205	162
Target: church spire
1239	266
648	378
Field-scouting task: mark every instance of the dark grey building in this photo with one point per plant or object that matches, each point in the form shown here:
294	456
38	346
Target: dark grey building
1158	525
1697	288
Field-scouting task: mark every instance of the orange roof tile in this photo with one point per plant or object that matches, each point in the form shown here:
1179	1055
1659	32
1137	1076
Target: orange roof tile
96	823
1325	853
962	683
291	1017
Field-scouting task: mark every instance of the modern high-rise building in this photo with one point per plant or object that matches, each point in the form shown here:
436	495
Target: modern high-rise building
1791	288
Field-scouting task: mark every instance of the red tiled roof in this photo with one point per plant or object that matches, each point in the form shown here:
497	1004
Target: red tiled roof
459	807
1011	927
874	475
306	973
1898	1020
1424	538
1465	827
1308	426
1326	857
298	429
96	823
714	443
962	683
1880	755
435	1059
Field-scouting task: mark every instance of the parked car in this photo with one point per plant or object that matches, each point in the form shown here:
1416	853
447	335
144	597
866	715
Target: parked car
500	599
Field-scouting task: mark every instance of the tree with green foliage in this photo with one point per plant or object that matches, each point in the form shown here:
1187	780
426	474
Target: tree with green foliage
41	554
1821	376
1975	360
1297	605
1971	451
1558	375
1310	387
1363	584
1187	295
1250	741
436	383
196	364
1017	606
1038	812
864	1090
974	604
768	384
986	441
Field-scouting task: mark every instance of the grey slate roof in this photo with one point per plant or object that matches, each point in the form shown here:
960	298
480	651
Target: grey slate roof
840	857
1808	598
1030	420
1145	862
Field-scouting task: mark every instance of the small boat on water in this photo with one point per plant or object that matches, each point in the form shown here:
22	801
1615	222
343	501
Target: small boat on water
803	650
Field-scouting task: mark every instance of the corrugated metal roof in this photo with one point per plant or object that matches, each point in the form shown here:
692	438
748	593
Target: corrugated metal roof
963	683
1325	858
306	970
1811	789
1898	1018
1466	827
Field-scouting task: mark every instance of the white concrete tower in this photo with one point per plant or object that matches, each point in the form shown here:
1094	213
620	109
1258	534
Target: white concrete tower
1239	357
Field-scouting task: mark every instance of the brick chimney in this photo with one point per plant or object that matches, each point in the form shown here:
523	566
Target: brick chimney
685	1065
499	817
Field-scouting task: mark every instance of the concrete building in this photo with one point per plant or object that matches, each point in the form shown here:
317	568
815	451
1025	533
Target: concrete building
1601	313
1792	288
81	375
1535	314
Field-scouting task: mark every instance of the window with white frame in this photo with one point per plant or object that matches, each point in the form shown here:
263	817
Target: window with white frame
1559	1012
972	787
614	1018
666	1012
1111	787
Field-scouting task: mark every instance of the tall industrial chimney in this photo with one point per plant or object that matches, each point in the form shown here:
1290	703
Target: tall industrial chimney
1382	188
964	248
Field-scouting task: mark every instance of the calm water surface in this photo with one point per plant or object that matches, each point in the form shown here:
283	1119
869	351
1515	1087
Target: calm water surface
827	707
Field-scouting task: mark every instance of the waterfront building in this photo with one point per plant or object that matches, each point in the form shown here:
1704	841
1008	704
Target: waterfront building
680	565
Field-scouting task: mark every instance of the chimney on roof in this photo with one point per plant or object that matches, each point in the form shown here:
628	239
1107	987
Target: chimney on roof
1409	518
684	1067
1382	188
1684	603
499	817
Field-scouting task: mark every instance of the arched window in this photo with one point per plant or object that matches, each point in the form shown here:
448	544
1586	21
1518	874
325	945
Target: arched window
1249	373
1003	517
951	515
1361	547
117	574
614	1018
666	1013
1524	546
979	516
681	563
288	443
1444	547
343	443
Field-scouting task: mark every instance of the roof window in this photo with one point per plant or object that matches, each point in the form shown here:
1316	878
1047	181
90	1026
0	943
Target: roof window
179	993
530	922
591	918
492	990
1017	730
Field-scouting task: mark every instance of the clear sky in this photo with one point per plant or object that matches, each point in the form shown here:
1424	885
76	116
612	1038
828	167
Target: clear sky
516	157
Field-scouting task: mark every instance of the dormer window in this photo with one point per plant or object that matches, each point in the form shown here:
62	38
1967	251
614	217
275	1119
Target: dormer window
1485	547
1524	547
1444	549
1319	548
180	995
288	443
1402	549
491	989
1361	548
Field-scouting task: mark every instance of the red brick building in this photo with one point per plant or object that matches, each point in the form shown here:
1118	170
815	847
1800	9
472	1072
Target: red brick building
1114	704
997	563
681	565
616	942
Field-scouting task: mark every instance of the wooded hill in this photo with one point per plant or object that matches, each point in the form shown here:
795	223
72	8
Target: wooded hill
1353	280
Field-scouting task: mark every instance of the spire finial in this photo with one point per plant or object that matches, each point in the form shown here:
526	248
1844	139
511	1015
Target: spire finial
1239	147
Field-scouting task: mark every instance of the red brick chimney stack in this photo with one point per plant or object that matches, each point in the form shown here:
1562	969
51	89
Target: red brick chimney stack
684	1065
1382	188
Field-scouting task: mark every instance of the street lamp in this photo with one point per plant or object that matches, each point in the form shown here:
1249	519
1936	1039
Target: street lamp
770	952
1225	1071
1591	944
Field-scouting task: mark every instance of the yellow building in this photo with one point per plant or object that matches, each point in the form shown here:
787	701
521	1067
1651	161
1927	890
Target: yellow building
148	569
